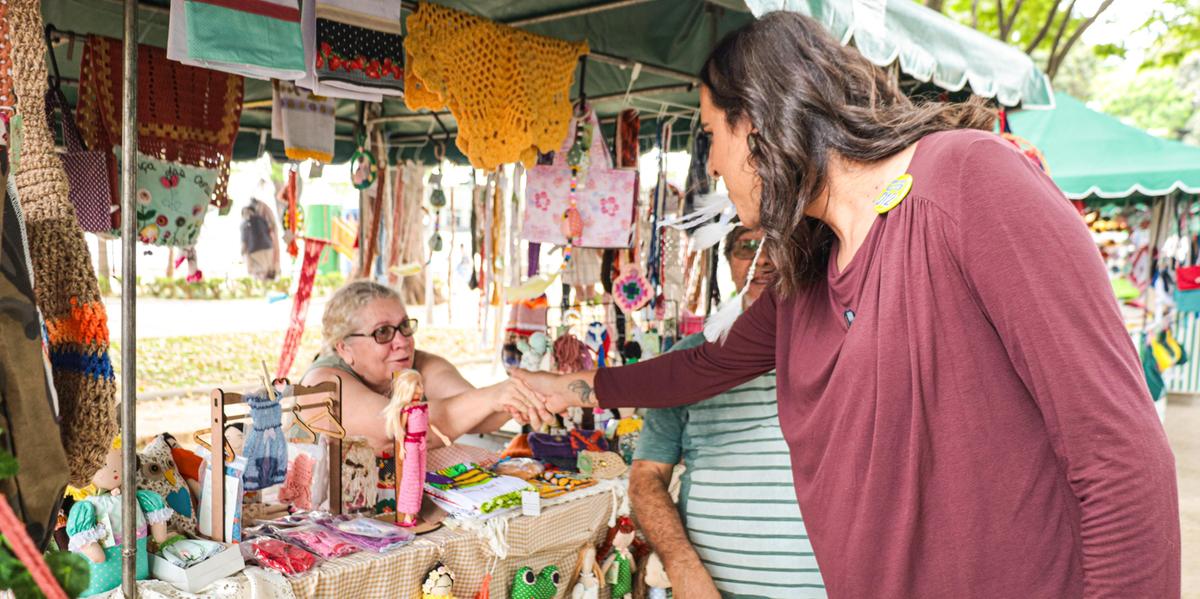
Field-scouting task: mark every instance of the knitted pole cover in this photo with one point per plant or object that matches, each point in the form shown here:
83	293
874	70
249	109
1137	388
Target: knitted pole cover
65	287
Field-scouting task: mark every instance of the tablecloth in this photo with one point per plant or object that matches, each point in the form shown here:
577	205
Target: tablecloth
564	527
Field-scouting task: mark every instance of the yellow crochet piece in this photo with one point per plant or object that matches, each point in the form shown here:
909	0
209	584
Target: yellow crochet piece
508	89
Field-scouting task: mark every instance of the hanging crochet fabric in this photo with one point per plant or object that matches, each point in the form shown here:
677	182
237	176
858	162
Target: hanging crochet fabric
265	449
308	272
65	286
186	115
508	89
359	46
253	38
304	121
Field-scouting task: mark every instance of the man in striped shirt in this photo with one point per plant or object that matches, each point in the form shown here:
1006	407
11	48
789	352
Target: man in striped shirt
737	530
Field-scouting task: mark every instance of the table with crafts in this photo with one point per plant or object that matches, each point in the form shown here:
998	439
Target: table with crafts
470	551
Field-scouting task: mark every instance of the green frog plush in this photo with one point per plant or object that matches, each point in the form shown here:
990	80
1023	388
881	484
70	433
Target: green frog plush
543	586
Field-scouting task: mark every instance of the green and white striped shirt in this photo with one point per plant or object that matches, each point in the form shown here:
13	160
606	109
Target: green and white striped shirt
736	499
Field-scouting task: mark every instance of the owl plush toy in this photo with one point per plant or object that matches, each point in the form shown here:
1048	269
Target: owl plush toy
157	472
543	586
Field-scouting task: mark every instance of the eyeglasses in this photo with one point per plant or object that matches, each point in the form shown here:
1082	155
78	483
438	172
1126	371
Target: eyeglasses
746	248
387	332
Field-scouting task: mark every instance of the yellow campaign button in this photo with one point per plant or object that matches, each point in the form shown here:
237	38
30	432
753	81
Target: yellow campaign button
893	194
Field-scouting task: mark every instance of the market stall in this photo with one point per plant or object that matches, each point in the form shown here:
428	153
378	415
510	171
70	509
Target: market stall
157	99
1141	191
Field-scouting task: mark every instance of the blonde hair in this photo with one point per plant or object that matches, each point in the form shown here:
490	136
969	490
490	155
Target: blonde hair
341	312
405	384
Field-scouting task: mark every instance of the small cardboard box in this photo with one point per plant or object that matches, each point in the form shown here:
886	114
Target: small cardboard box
191	580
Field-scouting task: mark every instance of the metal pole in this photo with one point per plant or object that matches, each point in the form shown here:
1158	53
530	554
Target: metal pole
129	505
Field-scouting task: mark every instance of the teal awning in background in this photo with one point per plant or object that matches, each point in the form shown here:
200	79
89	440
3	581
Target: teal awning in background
670	39
928	46
1094	155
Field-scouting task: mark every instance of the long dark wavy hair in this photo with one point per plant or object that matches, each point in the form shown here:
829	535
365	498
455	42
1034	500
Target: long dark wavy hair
806	96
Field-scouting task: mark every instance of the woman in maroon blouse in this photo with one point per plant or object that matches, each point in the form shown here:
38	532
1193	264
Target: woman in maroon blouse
965	411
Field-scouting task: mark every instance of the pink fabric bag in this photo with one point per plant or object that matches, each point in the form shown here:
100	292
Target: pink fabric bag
606	197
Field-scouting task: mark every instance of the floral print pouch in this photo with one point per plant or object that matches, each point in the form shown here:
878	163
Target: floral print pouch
172	199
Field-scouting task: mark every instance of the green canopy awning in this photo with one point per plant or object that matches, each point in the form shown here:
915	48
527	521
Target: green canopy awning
669	39
928	46
1094	155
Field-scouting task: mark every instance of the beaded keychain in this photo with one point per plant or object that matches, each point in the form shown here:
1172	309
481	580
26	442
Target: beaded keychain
437	199
572	225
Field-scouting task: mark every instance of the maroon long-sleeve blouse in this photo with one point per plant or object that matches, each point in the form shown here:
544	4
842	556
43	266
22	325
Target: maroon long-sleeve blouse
966	414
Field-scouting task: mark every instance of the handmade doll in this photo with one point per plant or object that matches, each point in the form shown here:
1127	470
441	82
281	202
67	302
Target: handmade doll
656	579
95	528
360	475
589	575
619	565
439	583
533	350
406	418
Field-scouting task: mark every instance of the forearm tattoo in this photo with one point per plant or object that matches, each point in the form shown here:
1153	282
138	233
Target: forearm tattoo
584	391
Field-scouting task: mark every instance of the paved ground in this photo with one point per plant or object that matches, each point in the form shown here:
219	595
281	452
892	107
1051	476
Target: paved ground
1183	424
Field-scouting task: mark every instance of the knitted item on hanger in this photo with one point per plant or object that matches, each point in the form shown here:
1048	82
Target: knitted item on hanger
65	285
508	89
185	114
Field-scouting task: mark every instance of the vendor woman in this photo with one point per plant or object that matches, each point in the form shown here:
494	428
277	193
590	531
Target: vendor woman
367	336
965	412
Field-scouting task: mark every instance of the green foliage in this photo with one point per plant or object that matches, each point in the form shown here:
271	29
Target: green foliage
1175	25
1045	29
15	577
1152	100
71	570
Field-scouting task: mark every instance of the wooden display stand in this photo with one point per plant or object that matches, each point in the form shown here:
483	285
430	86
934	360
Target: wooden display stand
221	400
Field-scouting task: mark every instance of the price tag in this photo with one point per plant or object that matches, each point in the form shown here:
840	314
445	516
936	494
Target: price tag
531	503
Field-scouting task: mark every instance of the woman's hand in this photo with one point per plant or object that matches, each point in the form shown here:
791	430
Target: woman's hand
557	392
522	403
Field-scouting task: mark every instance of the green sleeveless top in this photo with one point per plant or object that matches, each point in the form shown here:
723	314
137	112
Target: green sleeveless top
333	361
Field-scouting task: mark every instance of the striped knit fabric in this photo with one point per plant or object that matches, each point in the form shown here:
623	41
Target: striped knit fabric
65	286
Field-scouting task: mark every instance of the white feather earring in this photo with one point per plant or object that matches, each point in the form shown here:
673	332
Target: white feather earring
718	324
708	206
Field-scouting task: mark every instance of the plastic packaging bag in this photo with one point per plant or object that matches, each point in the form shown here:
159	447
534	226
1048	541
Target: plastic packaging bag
278	555
368	533
319	540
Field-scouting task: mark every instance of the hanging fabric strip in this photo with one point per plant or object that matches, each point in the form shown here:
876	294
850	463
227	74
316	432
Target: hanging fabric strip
291	340
371	233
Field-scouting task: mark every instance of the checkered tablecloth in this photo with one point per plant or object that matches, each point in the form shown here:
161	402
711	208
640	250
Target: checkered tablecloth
554	537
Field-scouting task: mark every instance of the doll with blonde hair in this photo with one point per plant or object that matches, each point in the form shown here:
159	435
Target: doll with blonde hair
406	420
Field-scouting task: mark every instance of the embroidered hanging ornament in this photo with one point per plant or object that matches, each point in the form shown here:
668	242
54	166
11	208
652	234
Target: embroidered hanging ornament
293	218
719	322
631	290
363	166
437	199
577	159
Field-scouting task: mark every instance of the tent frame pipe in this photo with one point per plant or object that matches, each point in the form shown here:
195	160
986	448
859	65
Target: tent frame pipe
129	505
676	88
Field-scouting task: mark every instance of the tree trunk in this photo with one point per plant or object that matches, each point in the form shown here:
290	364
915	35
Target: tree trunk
935	4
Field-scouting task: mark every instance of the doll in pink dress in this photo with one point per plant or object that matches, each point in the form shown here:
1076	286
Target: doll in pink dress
407	420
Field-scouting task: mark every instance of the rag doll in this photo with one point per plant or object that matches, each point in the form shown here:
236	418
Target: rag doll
95	526
588	586
439	583
656	578
406	419
619	565
533	350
